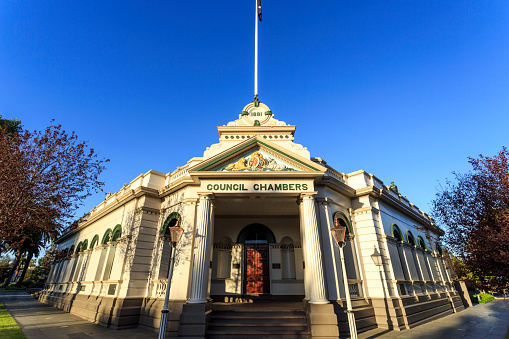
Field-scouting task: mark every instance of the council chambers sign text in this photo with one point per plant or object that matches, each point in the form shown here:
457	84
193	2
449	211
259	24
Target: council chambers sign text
257	186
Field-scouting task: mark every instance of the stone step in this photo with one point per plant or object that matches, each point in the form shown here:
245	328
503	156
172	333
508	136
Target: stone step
260	314
242	319
257	336
257	327
259	332
257	320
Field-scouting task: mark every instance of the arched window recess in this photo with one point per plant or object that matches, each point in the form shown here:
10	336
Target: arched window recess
94	241
410	238
106	237
343	221
78	248
396	233
422	243
84	245
256	233
117	232
439	249
170	221
71	250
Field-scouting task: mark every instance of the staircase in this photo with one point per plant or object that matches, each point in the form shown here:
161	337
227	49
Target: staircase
278	320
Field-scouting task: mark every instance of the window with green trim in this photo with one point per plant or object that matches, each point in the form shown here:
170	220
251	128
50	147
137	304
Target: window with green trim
396	232
106	237
84	245
439	249
117	233
95	240
422	244
410	238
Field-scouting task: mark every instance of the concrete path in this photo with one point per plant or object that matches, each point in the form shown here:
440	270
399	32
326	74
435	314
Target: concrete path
489	320
39	320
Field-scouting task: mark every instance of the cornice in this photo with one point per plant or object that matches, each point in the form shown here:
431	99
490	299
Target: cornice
336	185
365	210
388	198
125	198
371	190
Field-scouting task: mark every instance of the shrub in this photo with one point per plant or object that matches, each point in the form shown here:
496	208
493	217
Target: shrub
485	298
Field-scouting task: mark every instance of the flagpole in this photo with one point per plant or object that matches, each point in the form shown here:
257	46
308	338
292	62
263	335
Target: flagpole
256	51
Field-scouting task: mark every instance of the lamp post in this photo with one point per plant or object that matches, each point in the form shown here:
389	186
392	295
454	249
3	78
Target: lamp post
339	233
175	234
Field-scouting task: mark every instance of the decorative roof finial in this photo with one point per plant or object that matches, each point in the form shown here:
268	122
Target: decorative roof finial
256	101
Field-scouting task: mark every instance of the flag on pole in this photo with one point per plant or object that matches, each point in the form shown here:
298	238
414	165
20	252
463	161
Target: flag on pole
260	10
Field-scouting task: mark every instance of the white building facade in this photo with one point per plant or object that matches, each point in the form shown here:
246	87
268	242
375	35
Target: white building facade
257	211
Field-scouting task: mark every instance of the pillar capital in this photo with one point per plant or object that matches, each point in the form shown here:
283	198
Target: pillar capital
307	196
205	195
324	201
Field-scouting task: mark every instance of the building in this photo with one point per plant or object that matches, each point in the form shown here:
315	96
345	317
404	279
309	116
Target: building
257	211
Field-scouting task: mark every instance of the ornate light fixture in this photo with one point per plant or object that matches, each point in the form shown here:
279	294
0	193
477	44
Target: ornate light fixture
338	232
175	234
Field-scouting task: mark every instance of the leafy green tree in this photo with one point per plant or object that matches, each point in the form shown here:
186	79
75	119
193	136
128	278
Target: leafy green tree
12	126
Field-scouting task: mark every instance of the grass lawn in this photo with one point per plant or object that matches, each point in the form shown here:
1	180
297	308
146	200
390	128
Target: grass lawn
8	327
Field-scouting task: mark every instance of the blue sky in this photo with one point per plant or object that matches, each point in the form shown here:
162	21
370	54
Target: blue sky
406	90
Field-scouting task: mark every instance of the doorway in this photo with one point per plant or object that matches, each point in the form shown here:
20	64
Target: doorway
256	239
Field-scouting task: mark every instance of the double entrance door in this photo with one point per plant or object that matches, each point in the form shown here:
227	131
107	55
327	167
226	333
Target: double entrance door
257	279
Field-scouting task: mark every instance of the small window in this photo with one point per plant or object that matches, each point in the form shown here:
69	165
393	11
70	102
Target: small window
111	289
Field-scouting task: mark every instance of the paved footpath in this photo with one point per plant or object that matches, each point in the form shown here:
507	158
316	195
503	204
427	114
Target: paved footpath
38	320
489	320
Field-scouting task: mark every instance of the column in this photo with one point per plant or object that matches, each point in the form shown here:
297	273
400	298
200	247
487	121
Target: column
313	254
201	259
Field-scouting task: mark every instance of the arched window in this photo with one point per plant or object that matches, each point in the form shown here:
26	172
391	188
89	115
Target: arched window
84	245
439	249
106	237
410	238
78	249
94	241
117	233
287	258
396	232
422	244
256	233
71	250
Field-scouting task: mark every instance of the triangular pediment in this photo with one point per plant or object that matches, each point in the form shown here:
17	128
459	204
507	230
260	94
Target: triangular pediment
256	160
257	155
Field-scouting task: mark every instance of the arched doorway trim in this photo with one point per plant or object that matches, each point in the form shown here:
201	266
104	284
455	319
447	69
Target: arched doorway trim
251	229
